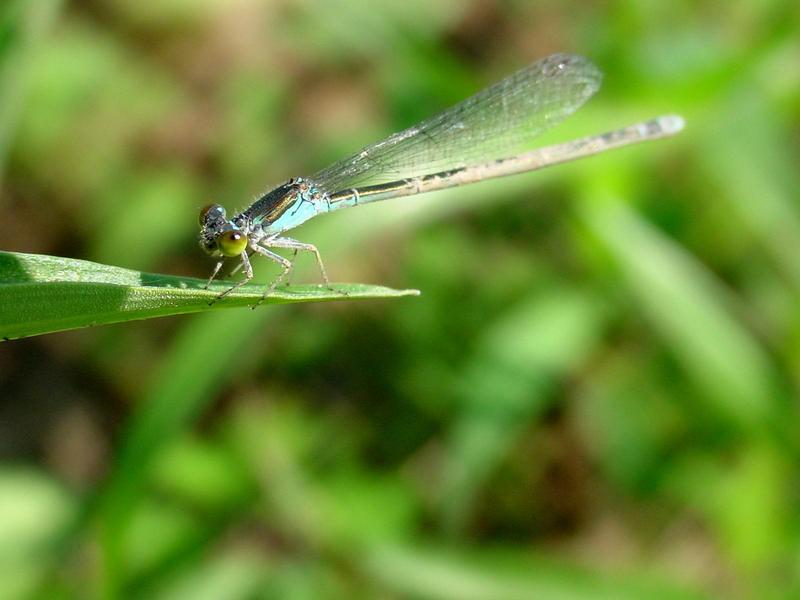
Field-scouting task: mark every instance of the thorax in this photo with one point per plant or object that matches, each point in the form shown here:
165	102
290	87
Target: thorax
286	206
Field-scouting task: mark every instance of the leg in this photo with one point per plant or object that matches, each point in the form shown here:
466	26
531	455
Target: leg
295	245
248	275
285	263
241	264
214	274
289	276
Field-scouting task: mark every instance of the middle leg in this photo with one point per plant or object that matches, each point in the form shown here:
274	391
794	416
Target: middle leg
285	263
296	245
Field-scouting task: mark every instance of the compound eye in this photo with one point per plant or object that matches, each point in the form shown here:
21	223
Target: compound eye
211	212
232	242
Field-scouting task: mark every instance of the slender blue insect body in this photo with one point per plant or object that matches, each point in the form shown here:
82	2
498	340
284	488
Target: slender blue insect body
481	138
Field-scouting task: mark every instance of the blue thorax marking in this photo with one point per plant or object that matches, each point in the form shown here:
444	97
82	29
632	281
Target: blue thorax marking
286	206
299	211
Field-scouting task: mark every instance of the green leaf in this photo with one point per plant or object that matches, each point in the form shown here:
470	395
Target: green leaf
42	294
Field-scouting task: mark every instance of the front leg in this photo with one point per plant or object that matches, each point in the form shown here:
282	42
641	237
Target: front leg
214	273
248	275
235	269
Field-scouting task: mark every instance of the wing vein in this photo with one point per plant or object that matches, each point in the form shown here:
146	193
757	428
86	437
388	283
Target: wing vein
494	123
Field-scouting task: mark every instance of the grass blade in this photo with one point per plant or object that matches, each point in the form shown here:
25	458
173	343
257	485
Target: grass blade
42	294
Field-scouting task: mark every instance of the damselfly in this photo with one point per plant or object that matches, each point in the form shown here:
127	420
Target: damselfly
472	141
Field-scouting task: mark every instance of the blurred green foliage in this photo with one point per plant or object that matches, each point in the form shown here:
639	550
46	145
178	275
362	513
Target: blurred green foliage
595	396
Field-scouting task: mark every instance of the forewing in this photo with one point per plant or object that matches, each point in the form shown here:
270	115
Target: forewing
494	123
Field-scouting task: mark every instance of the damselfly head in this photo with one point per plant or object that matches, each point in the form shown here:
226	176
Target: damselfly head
218	235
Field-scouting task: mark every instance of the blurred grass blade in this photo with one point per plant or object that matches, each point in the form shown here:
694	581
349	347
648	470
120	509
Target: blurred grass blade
690	311
238	573
509	383
757	176
42	294
35	509
442	573
22	26
748	505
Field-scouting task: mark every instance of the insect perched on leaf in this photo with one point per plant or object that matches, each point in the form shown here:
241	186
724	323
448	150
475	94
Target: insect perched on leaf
474	140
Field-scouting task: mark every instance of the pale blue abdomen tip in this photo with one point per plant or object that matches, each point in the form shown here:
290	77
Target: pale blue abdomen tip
671	124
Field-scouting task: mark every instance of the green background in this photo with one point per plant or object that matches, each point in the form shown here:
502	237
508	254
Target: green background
596	395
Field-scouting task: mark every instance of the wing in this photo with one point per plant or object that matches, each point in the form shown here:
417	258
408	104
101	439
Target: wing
494	123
